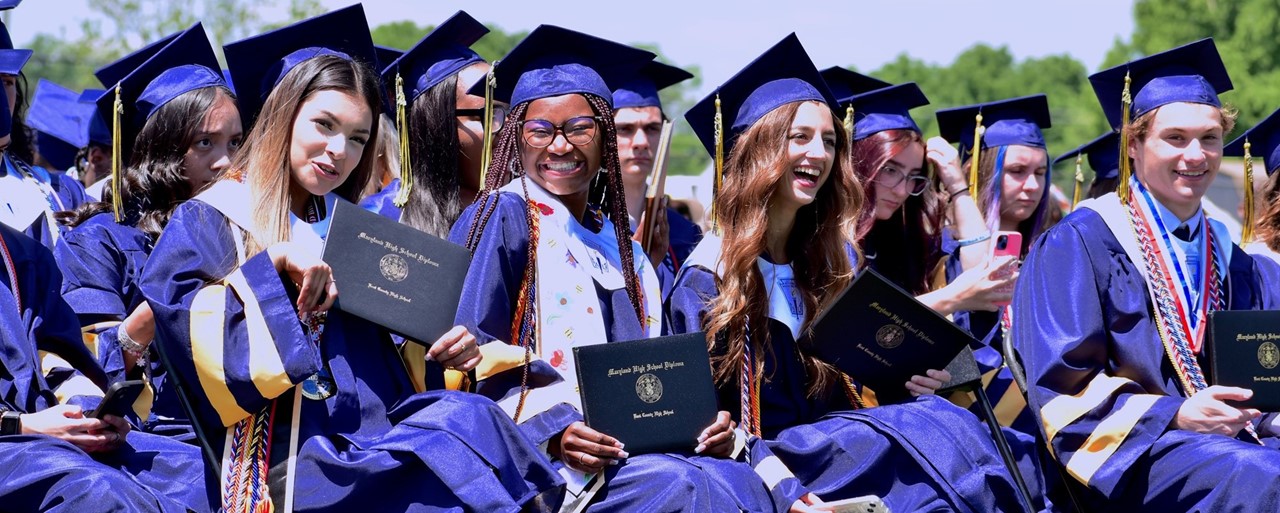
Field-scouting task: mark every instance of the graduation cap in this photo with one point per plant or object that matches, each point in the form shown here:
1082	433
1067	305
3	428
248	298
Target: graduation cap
641	89
98	131
110	74
1000	123
258	63
845	83
186	64
885	109
11	60
1264	137
1192	73
61	123
386	55
439	55
1005	122
782	74
1103	154
554	61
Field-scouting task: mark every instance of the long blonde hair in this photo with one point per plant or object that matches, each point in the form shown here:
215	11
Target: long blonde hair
263	160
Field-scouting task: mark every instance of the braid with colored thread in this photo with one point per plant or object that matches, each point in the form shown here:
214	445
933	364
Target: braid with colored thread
616	206
506	151
526	318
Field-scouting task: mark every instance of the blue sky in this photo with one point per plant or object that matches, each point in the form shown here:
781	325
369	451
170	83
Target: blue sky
722	36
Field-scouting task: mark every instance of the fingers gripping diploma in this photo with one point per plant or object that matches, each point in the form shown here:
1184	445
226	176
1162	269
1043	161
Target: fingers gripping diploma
587	450
456	350
1207	411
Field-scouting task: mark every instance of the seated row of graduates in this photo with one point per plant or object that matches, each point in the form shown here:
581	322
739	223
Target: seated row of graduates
308	408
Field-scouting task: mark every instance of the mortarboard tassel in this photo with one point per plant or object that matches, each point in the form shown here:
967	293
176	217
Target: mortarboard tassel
486	156
117	111
719	135
1125	171
975	156
1075	196
1246	232
402	126
848	122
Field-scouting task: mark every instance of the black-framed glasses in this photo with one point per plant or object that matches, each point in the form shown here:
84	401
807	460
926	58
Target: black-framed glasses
540	133
891	177
495	123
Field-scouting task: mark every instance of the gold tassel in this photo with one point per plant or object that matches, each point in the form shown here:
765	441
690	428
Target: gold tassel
1246	232
486	157
848	122
1125	170
719	135
1075	196
975	156
117	111
402	126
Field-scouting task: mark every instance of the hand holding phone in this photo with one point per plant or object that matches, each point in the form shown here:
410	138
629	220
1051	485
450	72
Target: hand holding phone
119	399
1007	244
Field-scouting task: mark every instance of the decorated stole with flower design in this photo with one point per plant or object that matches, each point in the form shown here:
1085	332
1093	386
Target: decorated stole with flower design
570	262
1180	317
247	449
786	307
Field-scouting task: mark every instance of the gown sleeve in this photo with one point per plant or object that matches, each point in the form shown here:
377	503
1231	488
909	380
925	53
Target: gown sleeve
230	332
1097	423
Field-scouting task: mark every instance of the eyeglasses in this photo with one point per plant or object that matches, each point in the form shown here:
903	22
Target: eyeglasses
540	133
495	124
891	177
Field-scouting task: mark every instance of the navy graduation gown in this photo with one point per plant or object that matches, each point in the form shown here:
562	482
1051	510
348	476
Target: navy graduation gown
383	201
926	454
1105	390
683	236
234	339
146	474
650	482
101	263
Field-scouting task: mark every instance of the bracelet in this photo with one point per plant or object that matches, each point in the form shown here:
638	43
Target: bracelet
971	241
130	346
953	195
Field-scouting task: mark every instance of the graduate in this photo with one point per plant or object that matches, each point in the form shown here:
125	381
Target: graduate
1261	234
1010	177
31	194
638	116
901	232
1111	307
756	285
183	127
445	127
554	267
60	124
1103	155
311	409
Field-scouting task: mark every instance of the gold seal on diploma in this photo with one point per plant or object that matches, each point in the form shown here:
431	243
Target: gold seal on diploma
1268	355
649	388
890	336
394	268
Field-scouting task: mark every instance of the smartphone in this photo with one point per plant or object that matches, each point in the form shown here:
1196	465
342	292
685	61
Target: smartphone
864	504
1007	244
119	399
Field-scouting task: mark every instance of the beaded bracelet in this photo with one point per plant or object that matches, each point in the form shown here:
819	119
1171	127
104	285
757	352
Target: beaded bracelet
131	347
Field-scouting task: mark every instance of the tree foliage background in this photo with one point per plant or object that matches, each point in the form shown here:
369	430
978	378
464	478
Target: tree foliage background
1243	29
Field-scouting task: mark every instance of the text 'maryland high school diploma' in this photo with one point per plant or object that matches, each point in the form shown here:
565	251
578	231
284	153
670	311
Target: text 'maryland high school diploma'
393	275
880	336
653	395
1244	351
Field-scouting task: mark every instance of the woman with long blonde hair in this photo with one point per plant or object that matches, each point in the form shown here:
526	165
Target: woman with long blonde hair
312	408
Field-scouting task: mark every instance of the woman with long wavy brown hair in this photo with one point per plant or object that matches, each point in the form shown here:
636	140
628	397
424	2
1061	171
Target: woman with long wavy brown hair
789	197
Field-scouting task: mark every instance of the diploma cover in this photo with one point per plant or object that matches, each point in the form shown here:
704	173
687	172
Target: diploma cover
880	335
653	395
393	275
1244	351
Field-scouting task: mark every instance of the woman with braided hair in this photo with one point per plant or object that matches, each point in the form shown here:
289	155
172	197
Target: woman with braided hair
788	199
554	268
